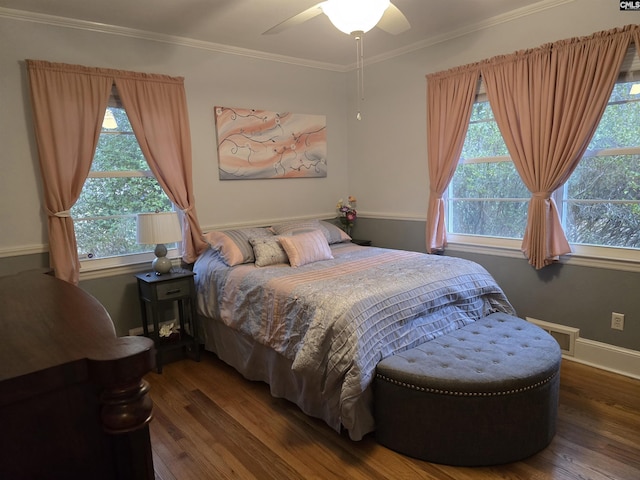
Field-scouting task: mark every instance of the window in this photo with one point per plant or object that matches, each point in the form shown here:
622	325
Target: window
599	204
119	186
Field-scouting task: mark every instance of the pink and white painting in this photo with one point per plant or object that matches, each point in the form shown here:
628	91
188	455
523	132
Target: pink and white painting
261	144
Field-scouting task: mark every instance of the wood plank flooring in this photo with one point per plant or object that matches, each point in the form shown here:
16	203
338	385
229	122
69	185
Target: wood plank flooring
210	423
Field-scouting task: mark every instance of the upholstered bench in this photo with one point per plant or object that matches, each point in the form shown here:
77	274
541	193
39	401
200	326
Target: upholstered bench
485	394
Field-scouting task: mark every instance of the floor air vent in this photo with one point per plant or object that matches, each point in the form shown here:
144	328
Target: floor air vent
565	336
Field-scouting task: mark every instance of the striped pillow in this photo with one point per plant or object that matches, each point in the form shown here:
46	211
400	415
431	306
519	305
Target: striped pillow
233	245
306	248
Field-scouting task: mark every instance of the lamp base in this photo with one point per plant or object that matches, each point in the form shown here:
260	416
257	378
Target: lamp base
161	265
160	250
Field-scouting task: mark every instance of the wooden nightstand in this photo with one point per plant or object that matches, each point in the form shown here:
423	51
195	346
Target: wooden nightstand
362	243
156	290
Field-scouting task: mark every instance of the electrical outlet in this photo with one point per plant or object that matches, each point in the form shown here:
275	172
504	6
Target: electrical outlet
617	321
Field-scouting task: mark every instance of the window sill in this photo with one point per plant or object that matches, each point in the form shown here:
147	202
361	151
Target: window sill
586	256
123	265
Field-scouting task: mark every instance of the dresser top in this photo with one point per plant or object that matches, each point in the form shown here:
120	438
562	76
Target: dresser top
57	332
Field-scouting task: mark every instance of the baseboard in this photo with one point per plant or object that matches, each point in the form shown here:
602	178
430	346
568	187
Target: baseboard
607	357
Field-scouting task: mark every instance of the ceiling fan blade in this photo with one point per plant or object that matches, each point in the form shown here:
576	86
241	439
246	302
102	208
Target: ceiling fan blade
301	17
393	21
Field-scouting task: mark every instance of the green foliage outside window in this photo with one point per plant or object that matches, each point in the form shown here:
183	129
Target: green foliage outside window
119	186
602	206
485	205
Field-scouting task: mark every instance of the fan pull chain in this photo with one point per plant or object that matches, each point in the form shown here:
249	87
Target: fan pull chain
360	72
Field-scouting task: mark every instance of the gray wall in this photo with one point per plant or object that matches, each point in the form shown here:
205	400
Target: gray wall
118	293
20	263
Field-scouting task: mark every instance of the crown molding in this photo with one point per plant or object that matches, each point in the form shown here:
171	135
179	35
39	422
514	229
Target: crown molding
64	22
470	28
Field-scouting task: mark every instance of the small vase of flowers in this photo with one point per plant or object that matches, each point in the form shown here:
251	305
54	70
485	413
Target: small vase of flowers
347	213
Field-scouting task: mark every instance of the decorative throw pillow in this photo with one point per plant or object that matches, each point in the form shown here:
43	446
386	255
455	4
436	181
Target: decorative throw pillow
296	227
268	251
306	248
233	245
332	233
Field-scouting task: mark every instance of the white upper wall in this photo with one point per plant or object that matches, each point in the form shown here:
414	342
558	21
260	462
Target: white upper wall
381	159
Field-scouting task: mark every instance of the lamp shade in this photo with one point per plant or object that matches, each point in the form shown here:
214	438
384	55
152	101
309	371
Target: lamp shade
156	228
109	122
351	16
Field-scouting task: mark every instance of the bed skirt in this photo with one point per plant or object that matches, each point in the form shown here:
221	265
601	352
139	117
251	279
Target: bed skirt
256	362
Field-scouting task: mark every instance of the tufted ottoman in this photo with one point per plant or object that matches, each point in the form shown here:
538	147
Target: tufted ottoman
483	395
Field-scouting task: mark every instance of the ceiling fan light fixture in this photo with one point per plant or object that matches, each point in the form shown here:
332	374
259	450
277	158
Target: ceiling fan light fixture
350	16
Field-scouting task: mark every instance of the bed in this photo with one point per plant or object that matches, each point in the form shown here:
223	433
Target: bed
300	307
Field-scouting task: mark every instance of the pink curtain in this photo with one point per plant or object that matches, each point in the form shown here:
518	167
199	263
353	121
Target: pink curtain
547	103
157	109
68	104
450	97
68	107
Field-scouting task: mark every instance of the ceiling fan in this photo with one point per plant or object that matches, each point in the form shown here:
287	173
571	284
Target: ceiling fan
353	17
350	16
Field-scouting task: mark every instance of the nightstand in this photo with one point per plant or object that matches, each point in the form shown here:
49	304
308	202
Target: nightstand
167	289
362	243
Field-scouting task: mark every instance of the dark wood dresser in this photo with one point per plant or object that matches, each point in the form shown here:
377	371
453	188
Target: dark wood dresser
73	402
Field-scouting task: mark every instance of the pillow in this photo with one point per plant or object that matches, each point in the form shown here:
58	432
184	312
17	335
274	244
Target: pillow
233	245
332	233
295	227
306	248
268	251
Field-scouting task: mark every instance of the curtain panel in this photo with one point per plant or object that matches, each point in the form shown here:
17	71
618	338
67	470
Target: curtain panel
548	103
158	114
450	98
68	103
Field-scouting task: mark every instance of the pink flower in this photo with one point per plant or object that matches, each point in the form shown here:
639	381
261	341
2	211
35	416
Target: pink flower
347	212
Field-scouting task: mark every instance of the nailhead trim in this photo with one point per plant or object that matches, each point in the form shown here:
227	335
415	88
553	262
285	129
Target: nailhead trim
465	394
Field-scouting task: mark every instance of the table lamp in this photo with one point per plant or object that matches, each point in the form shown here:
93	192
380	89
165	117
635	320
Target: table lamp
159	228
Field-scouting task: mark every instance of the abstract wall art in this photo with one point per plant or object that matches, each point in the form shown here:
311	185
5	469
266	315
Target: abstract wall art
256	144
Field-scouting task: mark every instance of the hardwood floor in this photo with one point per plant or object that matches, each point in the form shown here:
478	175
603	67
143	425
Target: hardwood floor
210	423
